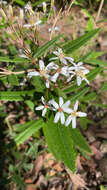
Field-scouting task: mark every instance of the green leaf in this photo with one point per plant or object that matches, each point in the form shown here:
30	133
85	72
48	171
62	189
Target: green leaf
103	87
30	104
38	83
90	96
73	45
20	2
60	143
96	62
79	94
13	80
79	140
13	59
31	128
47	46
15	95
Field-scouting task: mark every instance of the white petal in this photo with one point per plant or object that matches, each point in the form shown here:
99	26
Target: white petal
27	25
86	71
57	116
64	71
37	23
67	110
54	104
76	106
69	78
68	121
80	63
82	114
47	84
62	118
61	101
66	104
70	59
60	50
73	122
51	65
53	58
79	80
41	65
43	100
63	61
31	74
56	53
44	112
86	80
39	108
54	77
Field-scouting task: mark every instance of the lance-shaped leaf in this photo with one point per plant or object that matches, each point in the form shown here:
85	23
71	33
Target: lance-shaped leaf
79	140
13	59
73	45
60	143
29	129
16	95
47	46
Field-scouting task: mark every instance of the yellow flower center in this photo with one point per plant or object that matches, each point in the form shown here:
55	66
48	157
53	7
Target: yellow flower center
61	56
74	114
43	72
46	106
80	73
60	109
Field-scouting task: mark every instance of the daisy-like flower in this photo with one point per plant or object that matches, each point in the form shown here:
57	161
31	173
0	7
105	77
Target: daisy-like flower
61	56
73	114
43	107
43	72
79	71
59	70
61	108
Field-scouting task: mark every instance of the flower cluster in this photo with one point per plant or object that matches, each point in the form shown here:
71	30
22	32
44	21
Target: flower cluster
76	70
60	110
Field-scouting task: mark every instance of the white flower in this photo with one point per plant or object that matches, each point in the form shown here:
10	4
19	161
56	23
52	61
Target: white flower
61	56
79	71
34	24
43	72
43	107
73	115
62	70
62	107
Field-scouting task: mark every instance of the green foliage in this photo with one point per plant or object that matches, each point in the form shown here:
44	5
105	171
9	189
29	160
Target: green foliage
60	143
29	129
64	142
71	46
47	46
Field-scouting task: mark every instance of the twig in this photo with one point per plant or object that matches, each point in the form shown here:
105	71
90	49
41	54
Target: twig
99	10
55	21
72	1
6	72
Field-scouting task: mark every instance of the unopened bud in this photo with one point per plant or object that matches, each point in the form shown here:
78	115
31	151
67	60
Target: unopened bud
52	3
21	14
10	10
44	7
3	13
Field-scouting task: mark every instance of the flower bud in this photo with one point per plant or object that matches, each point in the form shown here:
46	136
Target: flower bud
21	14
3	13
52	3
44	7
10	10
